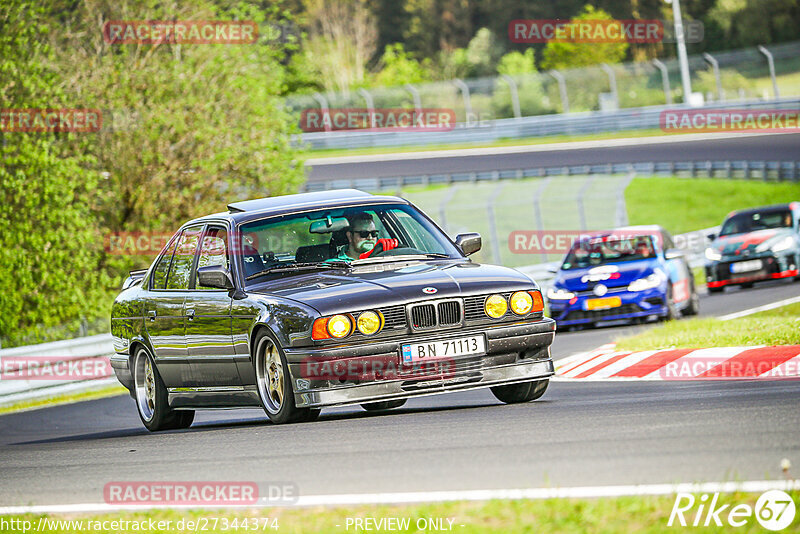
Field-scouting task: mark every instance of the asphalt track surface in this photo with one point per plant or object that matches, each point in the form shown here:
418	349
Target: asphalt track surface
578	434
779	147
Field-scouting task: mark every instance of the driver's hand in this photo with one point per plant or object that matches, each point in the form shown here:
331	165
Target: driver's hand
384	244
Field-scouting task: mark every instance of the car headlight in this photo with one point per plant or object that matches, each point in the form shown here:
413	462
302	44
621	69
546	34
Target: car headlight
780	246
338	326
713	255
369	323
559	294
521	302
643	284
495	306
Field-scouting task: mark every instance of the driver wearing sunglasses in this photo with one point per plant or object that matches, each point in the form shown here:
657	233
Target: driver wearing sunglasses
362	239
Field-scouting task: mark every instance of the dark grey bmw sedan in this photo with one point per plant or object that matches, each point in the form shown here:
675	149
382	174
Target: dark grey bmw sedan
301	302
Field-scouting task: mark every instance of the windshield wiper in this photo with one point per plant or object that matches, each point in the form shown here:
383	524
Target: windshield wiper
297	267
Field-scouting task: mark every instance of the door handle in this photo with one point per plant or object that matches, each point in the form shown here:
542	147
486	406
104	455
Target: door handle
152	315
190	313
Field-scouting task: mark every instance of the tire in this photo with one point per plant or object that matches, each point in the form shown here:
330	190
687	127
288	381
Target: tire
522	392
151	397
693	308
715	289
275	384
383	405
672	310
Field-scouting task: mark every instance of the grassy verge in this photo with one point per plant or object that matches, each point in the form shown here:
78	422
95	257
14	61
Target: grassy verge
66	398
685	204
780	326
332	153
622	514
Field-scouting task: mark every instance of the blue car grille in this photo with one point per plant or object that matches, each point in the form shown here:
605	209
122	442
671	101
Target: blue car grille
597	315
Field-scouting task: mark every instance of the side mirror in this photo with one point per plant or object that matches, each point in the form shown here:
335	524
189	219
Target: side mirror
469	243
711	236
673	254
553	268
215	276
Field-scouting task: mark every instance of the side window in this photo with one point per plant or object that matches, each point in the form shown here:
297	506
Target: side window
162	268
181	270
214	251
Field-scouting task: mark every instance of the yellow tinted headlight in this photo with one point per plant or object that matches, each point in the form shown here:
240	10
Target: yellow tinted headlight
495	306
369	323
521	302
339	326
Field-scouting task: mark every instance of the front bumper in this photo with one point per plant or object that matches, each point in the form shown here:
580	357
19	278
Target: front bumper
514	353
718	274
634	305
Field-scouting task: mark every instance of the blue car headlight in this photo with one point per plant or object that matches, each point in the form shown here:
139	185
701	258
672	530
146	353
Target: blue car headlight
643	284
556	293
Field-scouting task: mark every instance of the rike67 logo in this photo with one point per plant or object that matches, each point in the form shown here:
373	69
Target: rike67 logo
774	510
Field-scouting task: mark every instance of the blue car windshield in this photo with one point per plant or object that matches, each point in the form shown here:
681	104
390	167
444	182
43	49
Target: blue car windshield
604	250
750	222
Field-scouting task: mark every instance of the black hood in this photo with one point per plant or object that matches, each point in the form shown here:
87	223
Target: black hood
379	285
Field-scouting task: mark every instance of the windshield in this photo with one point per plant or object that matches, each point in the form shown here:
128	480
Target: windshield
603	250
332	236
750	222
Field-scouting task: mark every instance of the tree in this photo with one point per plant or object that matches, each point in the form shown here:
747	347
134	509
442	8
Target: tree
567	53
399	68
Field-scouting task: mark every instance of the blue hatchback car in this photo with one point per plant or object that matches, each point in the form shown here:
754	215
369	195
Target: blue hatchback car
633	273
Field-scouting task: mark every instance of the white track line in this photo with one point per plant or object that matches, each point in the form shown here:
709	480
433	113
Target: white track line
765	307
751	486
521	149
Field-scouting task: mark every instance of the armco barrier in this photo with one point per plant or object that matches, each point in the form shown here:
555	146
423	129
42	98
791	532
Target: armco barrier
535	126
85	352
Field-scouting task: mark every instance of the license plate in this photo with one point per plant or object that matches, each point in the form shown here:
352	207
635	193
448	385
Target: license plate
603	304
448	348
745	266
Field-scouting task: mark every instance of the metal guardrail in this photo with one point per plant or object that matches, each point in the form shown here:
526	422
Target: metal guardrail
524	127
744	169
75	352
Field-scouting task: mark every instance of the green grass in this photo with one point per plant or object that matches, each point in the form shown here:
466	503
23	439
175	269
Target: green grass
648	514
685	204
336	152
780	326
67	398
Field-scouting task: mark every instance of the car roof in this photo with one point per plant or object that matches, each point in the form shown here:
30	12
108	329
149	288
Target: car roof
247	210
642	229
761	209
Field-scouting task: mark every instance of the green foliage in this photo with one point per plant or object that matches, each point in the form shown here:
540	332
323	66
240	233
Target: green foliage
400	68
518	63
564	54
186	129
483	53
731	81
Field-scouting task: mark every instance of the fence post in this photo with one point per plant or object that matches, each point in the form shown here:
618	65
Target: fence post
415	95
664	80
562	89
323	105
443	206
537	208
493	223
612	82
370	106
771	62
715	65
512	85
581	207
458	82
